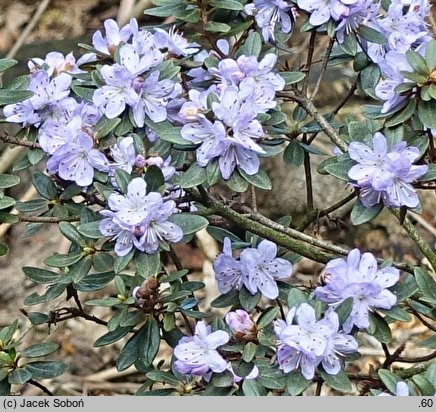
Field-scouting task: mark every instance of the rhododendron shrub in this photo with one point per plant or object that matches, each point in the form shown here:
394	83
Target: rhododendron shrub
156	133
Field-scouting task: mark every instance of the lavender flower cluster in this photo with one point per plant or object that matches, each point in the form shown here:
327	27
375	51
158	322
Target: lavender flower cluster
257	269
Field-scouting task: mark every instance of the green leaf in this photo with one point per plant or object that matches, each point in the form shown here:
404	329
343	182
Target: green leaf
369	78
226	4
188	222
80	269
402	115
430	54
406	288
424	385
267	316
429	343
19	376
13	96
45	369
44	185
163	377
40	349
389	379
216	27
90	230
362	214
194	176
379	328
418	63
213	173
3	249
71	233
294	154
121	262
223	301
426	283
260	179
296	383
371	35
292	77
8	332
102	261
85	93
249	352
38	318
222	380
296	297
398	313
51	293
344	310
31	205
147	265
251	387
8	181
131	351
123	179
105	126
7	64
111	337
219	234
340	169
149	341
40	275
236	182
60	261
252	45
34	156
340	381
426	113
249	301
167	10
94	281
6	202
154	178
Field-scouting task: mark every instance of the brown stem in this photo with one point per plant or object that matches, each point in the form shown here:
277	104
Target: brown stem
308	64
308	174
311	109
345	99
319	387
46	219
323	68
17	142
40	386
424	322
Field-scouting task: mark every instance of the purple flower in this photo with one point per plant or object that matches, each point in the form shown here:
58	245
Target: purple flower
124	155
263	268
154	96
139	219
358	277
251	376
241	324
76	160
321	10
114	36
198	355
257	269
384	175
117	92
309	342
55	64
228	270
174	42
43	104
269	13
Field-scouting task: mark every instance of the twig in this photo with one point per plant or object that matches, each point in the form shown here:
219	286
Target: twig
316	214
40	386
319	387
308	65
310	108
416	360
345	99
46	219
30	26
423	321
253	198
17	142
416	237
323	68
308	174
